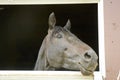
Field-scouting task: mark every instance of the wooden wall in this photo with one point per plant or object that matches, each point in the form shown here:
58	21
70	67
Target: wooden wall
112	37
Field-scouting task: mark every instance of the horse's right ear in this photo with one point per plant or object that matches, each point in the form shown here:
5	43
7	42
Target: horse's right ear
52	21
68	25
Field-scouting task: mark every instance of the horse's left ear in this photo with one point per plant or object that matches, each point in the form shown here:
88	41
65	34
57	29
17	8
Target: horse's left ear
52	21
68	25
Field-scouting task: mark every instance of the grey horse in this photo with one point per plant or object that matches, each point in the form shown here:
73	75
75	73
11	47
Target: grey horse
62	49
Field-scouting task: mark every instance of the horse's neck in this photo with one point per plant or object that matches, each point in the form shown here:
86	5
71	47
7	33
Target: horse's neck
44	44
40	63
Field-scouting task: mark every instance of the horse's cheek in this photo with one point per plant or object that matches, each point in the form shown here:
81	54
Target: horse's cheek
55	60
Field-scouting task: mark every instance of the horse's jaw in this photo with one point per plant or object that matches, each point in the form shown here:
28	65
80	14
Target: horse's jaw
85	69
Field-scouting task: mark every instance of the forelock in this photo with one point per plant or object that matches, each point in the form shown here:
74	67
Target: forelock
57	29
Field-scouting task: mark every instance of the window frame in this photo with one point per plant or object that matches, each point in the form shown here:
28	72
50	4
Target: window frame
98	75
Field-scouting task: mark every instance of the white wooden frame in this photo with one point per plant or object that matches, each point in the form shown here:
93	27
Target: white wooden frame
46	1
61	75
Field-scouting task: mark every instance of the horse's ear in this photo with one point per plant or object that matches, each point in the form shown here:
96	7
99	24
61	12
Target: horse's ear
52	20
68	25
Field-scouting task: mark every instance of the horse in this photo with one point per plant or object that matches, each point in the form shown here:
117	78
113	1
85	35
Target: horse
62	49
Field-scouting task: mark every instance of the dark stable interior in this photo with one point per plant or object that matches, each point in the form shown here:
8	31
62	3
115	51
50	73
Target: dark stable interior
23	28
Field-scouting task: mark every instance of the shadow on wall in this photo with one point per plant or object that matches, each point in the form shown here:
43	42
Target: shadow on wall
22	29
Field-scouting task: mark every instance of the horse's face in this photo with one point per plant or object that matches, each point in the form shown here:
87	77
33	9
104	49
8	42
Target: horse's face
67	51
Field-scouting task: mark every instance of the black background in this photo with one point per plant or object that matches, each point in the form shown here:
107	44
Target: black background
23	27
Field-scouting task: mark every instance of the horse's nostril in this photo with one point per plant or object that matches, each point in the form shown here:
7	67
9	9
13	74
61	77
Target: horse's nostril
87	56
79	63
65	49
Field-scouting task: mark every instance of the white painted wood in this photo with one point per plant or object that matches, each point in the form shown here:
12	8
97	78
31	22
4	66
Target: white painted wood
47	75
46	1
43	75
101	39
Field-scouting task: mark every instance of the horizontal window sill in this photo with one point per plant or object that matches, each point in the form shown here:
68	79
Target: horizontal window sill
45	75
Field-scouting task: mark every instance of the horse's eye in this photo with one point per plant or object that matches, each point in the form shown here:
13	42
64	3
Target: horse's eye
58	35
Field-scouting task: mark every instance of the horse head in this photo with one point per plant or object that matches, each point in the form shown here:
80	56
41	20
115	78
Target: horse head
62	49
